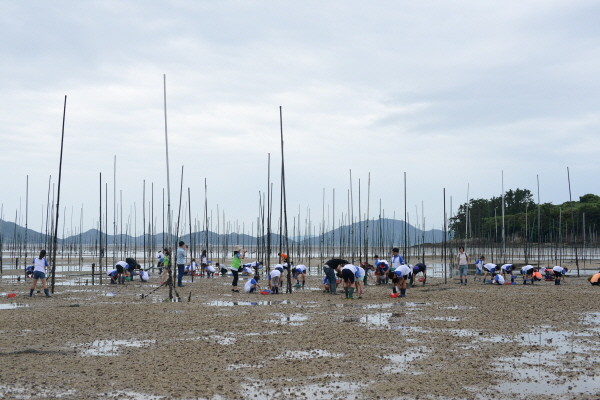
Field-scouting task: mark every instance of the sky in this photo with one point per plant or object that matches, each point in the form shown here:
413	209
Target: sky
469	96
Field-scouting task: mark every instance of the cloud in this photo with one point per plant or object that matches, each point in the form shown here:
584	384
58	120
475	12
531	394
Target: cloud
452	94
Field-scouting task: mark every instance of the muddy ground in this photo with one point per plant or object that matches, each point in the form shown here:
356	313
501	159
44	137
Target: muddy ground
443	341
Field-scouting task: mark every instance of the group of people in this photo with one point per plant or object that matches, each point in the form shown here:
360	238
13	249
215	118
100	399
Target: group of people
336	271
499	275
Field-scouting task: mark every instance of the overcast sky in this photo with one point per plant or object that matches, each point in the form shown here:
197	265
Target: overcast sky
452	93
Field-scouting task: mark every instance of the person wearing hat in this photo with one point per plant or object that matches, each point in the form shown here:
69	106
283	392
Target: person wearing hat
236	267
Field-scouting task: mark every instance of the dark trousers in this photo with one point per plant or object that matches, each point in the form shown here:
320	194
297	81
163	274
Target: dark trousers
180	272
330	273
235	277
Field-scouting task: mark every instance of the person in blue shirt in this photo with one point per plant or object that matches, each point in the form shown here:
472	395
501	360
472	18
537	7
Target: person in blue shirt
396	259
418	268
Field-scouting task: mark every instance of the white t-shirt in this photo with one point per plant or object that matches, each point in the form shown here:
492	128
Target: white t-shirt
275	274
350	267
499	279
40	264
249	284
301	267
462	258
404	269
144	276
526	269
506	267
559	269
396	261
210	268
490	266
160	257
479	265
123	264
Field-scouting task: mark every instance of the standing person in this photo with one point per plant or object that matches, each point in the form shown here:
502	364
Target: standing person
462	259
479	268
166	273
396	259
329	268
236	267
39	272
203	263
160	258
180	263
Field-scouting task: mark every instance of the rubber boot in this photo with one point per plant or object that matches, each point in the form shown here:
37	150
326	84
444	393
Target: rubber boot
465	281
30	292
350	293
47	293
394	290
402	292
411	281
557	282
346	291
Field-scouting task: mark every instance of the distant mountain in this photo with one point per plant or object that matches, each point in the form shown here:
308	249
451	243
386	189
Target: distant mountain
379	231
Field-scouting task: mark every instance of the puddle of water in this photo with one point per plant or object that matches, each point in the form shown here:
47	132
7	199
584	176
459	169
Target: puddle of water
289	319
123	395
560	367
329	389
26	393
12	306
110	347
221	303
305	355
449	319
399	363
459	308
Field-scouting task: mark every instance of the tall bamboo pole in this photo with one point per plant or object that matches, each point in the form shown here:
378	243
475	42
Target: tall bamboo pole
54	240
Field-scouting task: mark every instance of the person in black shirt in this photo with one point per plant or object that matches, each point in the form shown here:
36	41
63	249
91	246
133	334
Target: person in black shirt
330	268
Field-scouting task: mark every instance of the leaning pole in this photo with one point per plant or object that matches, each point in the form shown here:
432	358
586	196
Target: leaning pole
54	239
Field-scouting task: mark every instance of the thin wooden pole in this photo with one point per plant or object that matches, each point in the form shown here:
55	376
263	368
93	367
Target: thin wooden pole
54	240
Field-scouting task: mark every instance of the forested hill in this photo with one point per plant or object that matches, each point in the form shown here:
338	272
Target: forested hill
523	219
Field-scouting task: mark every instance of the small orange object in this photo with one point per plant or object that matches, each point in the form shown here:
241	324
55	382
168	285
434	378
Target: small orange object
421	279
11	295
394	295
